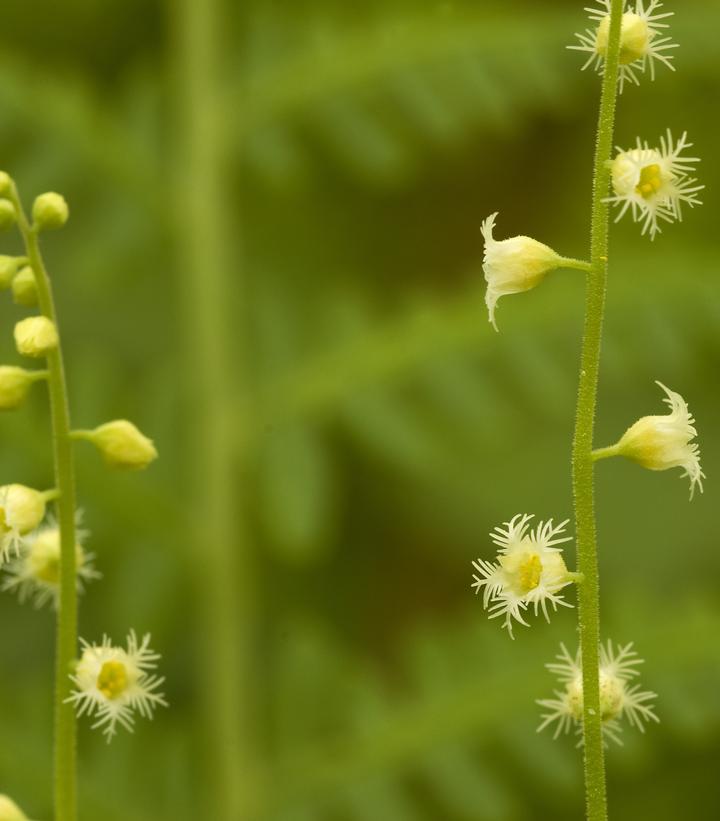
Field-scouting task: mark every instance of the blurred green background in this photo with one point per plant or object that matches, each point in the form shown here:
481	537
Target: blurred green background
339	426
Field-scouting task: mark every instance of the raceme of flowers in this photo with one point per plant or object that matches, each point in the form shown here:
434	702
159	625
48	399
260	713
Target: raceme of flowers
111	683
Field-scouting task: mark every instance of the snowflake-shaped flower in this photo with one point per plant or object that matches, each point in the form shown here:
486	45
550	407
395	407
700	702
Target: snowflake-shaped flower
112	683
664	442
529	570
641	40
654	182
35	573
618	698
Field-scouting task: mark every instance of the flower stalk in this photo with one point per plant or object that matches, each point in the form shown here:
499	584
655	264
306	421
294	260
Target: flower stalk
65	725
582	457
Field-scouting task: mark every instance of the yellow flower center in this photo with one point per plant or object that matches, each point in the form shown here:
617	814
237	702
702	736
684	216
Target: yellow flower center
529	572
48	570
113	679
650	181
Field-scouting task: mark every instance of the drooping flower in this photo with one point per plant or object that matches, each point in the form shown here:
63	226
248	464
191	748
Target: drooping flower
664	442
21	511
618	698
529	570
641	40
513	265
113	683
654	182
35	573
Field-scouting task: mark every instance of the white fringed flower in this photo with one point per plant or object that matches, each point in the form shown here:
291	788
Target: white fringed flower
21	511
664	442
113	683
654	182
529	570
641	43
35	573
513	265
618	698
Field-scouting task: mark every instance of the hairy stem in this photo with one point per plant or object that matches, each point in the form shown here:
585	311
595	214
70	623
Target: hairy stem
583	490
217	542
65	729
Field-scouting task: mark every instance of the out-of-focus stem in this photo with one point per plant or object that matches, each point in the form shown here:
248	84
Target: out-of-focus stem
64	496
219	551
583	487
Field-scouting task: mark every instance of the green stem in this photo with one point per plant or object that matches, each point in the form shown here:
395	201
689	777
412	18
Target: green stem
217	541
605	453
583	489
65	729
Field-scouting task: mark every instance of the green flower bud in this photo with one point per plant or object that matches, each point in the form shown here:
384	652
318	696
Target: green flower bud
8	269
24	288
8	216
5	184
15	383
50	211
35	336
21	508
121	444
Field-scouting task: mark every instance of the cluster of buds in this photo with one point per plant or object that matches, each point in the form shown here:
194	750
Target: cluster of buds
652	183
108	681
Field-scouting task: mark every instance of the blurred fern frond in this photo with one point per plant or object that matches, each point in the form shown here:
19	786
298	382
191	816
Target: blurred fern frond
459	734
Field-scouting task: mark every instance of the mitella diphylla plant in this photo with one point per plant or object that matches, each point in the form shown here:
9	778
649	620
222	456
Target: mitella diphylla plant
45	559
598	687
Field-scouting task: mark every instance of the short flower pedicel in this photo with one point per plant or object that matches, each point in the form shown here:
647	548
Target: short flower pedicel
654	182
113	683
640	41
530	570
618	699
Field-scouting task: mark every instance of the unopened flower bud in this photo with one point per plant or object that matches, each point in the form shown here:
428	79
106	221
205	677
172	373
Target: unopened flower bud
8	215
24	288
15	384
513	265
35	336
50	211
5	184
121	444
9	810
21	510
8	269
